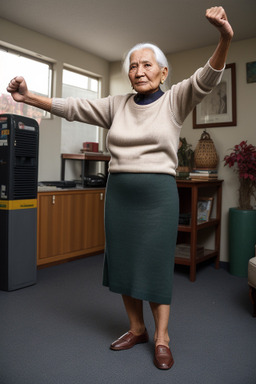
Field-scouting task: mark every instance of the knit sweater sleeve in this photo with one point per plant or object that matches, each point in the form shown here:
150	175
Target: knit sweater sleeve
97	112
190	92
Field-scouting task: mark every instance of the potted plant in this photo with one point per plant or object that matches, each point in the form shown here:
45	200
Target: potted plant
242	219
243	157
185	158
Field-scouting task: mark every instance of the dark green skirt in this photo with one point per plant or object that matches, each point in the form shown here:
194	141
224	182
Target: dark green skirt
141	221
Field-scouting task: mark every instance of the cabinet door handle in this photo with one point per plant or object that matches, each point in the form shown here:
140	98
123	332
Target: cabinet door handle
53	199
101	196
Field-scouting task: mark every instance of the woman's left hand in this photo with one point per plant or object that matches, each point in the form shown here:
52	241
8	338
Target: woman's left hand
217	16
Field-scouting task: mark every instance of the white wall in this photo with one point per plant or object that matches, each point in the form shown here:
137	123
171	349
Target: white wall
60	53
183	64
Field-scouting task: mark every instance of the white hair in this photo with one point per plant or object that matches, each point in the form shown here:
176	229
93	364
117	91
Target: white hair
160	56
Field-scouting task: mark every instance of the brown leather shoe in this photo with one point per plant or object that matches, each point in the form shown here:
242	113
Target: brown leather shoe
128	340
163	357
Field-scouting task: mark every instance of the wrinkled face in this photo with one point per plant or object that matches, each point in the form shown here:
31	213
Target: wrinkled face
144	72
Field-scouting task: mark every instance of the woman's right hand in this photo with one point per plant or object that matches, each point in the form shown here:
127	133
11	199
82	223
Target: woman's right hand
18	89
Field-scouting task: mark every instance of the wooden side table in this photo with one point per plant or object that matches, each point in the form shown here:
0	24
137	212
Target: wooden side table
188	194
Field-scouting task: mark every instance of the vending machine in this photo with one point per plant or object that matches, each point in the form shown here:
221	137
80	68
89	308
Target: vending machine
19	141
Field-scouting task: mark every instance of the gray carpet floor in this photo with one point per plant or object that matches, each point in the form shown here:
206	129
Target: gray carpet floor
59	331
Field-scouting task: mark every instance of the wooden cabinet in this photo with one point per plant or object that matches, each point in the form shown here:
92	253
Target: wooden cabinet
70	224
189	193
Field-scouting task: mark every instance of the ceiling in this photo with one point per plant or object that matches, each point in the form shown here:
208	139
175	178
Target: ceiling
108	28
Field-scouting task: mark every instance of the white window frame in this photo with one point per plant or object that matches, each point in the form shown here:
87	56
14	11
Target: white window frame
70	142
20	108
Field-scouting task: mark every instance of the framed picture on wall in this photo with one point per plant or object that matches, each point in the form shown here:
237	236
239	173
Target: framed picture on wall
251	72
218	109
204	209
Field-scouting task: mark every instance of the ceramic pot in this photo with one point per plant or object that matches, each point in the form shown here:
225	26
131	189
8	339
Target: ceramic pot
242	240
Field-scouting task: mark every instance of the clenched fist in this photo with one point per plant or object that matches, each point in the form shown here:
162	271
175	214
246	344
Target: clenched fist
18	89
217	16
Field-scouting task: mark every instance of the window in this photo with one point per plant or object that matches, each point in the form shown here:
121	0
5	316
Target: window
38	76
83	86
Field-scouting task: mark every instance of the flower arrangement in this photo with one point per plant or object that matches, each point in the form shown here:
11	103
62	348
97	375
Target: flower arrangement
243	156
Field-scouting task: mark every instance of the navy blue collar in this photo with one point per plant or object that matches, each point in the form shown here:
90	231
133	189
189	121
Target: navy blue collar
142	99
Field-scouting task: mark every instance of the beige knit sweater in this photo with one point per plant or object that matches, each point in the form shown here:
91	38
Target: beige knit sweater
142	138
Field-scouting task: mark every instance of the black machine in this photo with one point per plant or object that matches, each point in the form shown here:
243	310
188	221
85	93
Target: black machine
98	180
19	139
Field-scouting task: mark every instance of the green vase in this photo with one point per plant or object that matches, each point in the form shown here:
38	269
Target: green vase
242	240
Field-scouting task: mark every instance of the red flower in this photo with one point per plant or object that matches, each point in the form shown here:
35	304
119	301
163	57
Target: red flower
244	156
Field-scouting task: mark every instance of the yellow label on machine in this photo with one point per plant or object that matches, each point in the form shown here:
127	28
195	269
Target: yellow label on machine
5	132
18	204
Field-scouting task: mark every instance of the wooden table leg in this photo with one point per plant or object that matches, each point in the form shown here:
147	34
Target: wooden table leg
193	240
62	174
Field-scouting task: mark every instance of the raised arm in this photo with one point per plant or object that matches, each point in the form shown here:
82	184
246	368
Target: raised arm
20	93
217	16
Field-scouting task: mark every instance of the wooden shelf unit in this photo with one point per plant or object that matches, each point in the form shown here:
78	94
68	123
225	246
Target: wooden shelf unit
85	159
189	194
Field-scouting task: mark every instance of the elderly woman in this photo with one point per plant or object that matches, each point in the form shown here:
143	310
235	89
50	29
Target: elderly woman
141	208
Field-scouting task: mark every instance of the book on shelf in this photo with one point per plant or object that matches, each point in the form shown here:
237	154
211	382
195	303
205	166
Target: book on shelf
203	177
205	171
198	174
183	251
